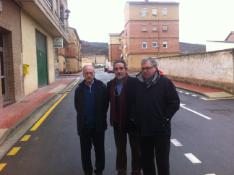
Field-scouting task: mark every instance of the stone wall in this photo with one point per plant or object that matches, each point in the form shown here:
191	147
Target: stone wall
212	69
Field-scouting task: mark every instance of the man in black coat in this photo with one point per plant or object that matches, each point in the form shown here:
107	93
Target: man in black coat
91	103
121	92
156	103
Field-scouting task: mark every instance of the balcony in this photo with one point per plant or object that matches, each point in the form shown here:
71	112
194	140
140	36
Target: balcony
42	11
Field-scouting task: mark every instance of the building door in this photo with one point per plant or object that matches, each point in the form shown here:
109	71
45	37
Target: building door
42	66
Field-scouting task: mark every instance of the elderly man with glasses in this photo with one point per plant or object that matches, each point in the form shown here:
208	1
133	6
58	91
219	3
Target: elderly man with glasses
156	103
121	92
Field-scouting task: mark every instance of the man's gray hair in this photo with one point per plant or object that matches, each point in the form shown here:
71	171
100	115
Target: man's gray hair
86	66
151	60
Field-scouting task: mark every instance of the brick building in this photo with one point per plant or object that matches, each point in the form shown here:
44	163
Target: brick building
151	29
114	47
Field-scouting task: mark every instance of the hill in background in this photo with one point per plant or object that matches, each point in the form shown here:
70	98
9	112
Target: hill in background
99	48
94	48
187	48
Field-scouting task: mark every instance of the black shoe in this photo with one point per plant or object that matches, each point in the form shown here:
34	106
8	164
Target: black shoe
98	172
88	173
136	173
122	172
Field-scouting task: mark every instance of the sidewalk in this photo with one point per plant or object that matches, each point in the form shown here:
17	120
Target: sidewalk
210	93
14	115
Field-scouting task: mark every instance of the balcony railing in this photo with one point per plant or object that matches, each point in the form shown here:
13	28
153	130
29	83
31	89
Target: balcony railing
49	3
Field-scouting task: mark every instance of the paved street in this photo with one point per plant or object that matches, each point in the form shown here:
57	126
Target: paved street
202	141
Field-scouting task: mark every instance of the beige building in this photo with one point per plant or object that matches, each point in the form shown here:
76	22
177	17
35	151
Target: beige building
95	60
41	21
69	58
86	61
28	30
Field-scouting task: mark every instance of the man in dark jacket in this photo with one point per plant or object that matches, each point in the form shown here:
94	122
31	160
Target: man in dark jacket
121	92
91	104
156	103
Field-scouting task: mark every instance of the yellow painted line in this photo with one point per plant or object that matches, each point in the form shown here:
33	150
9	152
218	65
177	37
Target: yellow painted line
43	118
2	166
14	151
25	138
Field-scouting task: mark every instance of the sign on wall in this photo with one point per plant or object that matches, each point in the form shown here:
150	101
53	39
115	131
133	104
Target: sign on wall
58	42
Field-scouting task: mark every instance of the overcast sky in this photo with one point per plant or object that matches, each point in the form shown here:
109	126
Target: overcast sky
200	20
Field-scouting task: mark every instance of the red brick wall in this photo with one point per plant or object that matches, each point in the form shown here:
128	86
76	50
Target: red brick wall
114	52
135	36
135	46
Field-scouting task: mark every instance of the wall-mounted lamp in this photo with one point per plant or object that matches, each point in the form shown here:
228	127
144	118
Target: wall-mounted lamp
66	14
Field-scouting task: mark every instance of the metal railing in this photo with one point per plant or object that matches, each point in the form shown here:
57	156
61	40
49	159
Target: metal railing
49	3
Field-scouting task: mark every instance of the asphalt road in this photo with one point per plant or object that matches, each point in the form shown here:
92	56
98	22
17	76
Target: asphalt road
202	141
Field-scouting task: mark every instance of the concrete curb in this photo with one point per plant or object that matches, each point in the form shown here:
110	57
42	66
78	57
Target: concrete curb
191	91
209	97
36	114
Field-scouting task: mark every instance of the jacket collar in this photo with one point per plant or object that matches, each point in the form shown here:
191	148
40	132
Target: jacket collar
150	82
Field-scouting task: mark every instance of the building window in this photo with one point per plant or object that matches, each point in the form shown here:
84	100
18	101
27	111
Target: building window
165	44
154	28
144	28
144	12
164	28
154	44
144	45
164	11
154	12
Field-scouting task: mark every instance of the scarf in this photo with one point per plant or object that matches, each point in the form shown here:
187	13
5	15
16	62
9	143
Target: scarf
117	104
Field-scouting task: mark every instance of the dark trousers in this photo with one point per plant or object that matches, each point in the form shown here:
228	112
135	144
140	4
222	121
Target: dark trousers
121	143
89	137
151	147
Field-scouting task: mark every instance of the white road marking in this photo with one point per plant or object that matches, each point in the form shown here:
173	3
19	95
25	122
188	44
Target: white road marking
195	112
176	142
187	93
192	158
210	174
194	95
181	91
204	98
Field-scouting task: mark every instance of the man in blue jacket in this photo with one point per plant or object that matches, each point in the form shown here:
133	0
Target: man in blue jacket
156	103
91	104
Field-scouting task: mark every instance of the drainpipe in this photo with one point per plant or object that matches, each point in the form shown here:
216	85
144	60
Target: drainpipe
232	71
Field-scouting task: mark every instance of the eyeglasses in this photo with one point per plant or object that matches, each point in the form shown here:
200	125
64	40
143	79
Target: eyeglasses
118	68
146	68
